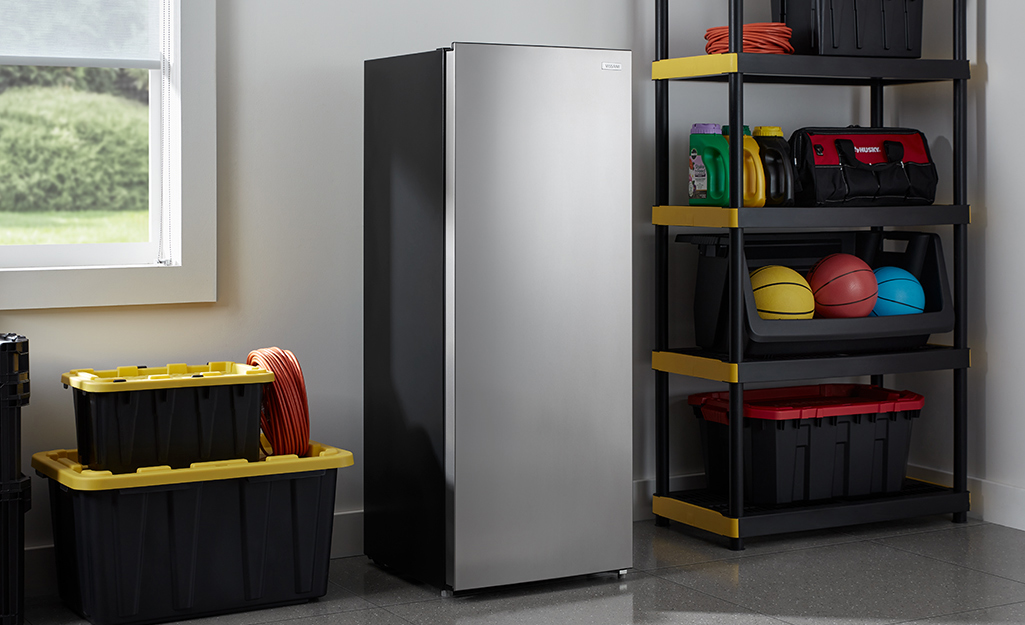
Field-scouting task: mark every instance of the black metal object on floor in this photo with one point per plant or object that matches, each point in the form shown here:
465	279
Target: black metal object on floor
15	488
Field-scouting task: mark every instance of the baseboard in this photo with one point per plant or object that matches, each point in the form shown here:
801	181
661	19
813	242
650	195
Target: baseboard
41	566
991	501
347	535
40	572
644	490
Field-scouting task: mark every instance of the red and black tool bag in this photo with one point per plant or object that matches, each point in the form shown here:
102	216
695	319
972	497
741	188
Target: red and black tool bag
856	166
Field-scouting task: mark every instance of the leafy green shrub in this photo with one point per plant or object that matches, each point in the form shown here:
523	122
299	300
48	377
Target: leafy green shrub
69	150
127	83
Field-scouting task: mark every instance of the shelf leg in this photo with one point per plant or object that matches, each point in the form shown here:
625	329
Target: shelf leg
960	141
736	410
661	258
877	103
737	270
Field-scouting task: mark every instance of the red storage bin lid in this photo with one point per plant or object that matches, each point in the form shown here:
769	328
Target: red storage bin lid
808	402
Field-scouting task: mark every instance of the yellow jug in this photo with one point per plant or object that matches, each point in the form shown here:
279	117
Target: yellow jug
754	174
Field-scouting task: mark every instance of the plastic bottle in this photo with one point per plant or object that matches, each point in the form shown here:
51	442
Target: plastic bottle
709	166
754	175
778	165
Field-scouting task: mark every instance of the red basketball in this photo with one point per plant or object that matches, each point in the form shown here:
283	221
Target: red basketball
844	286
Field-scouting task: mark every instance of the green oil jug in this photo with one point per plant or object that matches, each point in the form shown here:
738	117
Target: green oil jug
709	166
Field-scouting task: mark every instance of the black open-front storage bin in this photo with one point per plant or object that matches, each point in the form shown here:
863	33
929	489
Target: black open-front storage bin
920	253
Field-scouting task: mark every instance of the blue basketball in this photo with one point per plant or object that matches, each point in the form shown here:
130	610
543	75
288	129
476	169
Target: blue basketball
900	293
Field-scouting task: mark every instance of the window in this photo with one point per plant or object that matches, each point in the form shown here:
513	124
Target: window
177	261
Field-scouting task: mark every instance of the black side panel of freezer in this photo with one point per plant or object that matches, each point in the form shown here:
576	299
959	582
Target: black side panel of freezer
404	314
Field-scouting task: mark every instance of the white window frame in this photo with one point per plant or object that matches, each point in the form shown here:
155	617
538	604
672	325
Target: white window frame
189	197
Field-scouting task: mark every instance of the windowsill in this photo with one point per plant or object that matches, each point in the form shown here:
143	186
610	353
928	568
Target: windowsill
195	278
106	286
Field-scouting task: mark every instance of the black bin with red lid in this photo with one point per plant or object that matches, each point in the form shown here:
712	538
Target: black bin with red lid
813	442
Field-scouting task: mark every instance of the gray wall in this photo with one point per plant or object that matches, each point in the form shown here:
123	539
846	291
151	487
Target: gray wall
290	78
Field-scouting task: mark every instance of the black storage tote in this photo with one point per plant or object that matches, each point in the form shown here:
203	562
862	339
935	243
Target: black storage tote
812	442
134	417
169	544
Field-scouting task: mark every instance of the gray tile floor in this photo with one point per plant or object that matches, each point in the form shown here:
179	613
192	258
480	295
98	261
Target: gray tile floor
926	571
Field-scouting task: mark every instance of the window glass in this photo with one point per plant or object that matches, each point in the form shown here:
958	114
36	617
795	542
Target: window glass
74	149
178	262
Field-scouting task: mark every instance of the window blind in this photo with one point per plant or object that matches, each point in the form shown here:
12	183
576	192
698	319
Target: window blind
80	33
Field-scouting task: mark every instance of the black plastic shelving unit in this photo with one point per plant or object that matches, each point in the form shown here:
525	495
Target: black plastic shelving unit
727	514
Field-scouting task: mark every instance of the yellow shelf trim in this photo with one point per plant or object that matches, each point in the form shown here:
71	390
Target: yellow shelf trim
695	516
694	66
699	216
695	366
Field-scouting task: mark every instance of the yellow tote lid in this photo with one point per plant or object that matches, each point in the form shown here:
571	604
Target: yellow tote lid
62	465
768	131
171	376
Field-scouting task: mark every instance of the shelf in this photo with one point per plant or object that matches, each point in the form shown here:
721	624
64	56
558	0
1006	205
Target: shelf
707	510
808	69
702	364
810	217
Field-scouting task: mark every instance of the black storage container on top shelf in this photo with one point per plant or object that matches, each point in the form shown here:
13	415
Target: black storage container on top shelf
890	28
917	252
135	417
811	442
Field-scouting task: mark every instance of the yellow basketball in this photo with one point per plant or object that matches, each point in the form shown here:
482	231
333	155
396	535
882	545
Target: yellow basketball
782	293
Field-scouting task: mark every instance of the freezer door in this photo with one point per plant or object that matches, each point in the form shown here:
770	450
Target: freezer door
539	315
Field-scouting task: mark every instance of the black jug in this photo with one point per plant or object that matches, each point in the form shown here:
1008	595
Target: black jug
777	164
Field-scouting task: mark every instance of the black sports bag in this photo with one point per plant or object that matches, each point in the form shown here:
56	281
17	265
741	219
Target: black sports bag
857	166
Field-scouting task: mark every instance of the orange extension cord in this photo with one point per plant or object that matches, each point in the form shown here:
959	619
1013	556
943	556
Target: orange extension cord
284	415
765	38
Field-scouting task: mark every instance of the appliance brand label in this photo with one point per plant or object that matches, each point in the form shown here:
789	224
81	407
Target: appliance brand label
612	67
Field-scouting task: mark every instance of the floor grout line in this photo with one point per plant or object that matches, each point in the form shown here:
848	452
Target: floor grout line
401	618
928	618
733	603
954	564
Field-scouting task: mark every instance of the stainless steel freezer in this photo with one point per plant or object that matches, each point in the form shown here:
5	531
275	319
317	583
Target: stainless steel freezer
497	313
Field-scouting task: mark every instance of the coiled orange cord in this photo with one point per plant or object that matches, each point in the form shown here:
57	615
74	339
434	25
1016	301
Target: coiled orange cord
284	415
764	37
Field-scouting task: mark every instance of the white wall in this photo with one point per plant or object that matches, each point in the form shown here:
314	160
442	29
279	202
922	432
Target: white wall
290	79
290	247
996	336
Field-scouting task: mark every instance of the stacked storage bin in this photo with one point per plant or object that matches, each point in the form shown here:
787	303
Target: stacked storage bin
815	442
167	510
15	488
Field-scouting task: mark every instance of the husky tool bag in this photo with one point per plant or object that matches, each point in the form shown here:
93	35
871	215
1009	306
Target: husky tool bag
856	166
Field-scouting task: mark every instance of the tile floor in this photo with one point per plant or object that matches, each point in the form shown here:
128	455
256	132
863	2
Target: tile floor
926	571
